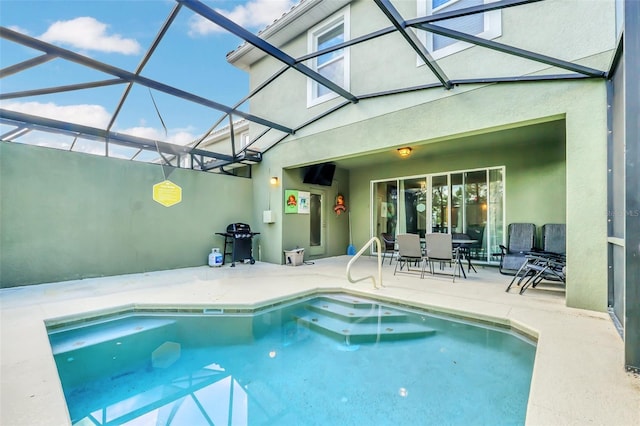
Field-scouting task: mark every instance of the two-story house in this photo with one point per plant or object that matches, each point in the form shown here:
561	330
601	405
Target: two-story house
504	114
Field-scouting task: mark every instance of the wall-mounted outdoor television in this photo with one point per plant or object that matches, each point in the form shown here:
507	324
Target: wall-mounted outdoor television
319	174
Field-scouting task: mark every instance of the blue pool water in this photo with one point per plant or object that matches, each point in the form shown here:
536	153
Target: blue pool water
328	360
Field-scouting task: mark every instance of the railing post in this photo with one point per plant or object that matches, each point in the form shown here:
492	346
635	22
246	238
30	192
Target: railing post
358	254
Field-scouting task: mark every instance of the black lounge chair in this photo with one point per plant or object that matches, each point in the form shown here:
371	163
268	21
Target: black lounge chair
547	264
543	268
521	241
554	238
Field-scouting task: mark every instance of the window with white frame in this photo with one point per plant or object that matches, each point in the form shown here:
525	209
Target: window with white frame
244	139
332	65
486	25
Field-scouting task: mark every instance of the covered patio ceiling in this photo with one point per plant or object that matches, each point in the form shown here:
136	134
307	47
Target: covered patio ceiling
550	132
15	125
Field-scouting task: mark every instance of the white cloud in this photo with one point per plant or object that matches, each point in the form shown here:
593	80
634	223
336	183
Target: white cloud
18	29
88	115
255	14
87	33
175	136
181	137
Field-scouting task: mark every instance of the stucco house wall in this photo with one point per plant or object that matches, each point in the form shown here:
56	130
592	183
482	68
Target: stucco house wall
388	63
581	105
68	215
424	117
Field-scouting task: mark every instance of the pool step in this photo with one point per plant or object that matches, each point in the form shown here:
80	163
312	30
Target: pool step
348	300
114	348
109	331
359	320
356	312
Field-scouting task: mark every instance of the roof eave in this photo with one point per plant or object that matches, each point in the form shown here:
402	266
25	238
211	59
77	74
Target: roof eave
298	20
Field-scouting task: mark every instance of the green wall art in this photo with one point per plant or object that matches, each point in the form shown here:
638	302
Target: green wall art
296	201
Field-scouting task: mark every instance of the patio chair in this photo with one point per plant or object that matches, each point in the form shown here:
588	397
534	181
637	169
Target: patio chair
388	246
544	268
476	232
409	252
547	264
440	249
521	241
554	238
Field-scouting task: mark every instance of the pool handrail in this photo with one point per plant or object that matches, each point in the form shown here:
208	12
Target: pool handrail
358	254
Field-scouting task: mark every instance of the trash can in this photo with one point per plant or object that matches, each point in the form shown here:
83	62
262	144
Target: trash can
294	257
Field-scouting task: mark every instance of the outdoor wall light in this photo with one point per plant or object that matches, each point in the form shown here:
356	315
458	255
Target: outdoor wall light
404	152
273	180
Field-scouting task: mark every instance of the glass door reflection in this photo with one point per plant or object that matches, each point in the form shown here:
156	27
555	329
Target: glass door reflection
385	207
457	203
440	203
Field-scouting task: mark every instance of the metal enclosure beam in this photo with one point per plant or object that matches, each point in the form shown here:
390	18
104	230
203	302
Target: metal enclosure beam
143	62
60	89
127	76
404	27
413	22
511	50
240	102
631	53
412	39
457	13
269	49
29	63
46	124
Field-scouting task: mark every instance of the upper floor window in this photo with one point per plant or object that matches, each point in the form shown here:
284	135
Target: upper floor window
486	25
244	139
333	65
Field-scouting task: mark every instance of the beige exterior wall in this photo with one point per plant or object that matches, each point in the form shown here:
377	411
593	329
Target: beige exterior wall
561	180
540	187
388	63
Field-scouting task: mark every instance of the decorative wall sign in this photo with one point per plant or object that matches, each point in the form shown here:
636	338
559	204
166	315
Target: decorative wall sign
297	201
167	193
340	205
290	201
303	202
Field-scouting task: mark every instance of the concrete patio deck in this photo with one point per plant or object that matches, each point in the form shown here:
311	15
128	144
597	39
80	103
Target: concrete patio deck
578	374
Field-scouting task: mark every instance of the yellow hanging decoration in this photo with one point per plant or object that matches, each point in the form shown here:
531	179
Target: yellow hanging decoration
167	193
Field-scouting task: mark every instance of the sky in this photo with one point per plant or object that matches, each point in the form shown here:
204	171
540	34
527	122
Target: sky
191	57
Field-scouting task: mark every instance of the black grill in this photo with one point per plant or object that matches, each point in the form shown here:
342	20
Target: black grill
238	243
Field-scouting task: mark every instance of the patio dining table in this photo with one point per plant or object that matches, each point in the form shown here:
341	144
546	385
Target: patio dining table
465	244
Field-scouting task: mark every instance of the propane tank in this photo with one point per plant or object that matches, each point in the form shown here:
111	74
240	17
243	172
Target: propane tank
215	257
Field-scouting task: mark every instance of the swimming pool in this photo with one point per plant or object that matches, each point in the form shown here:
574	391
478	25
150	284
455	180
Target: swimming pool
326	359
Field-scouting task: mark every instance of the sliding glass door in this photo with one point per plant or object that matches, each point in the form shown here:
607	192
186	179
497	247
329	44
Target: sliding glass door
495	215
466	202
413	206
440	209
385	208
